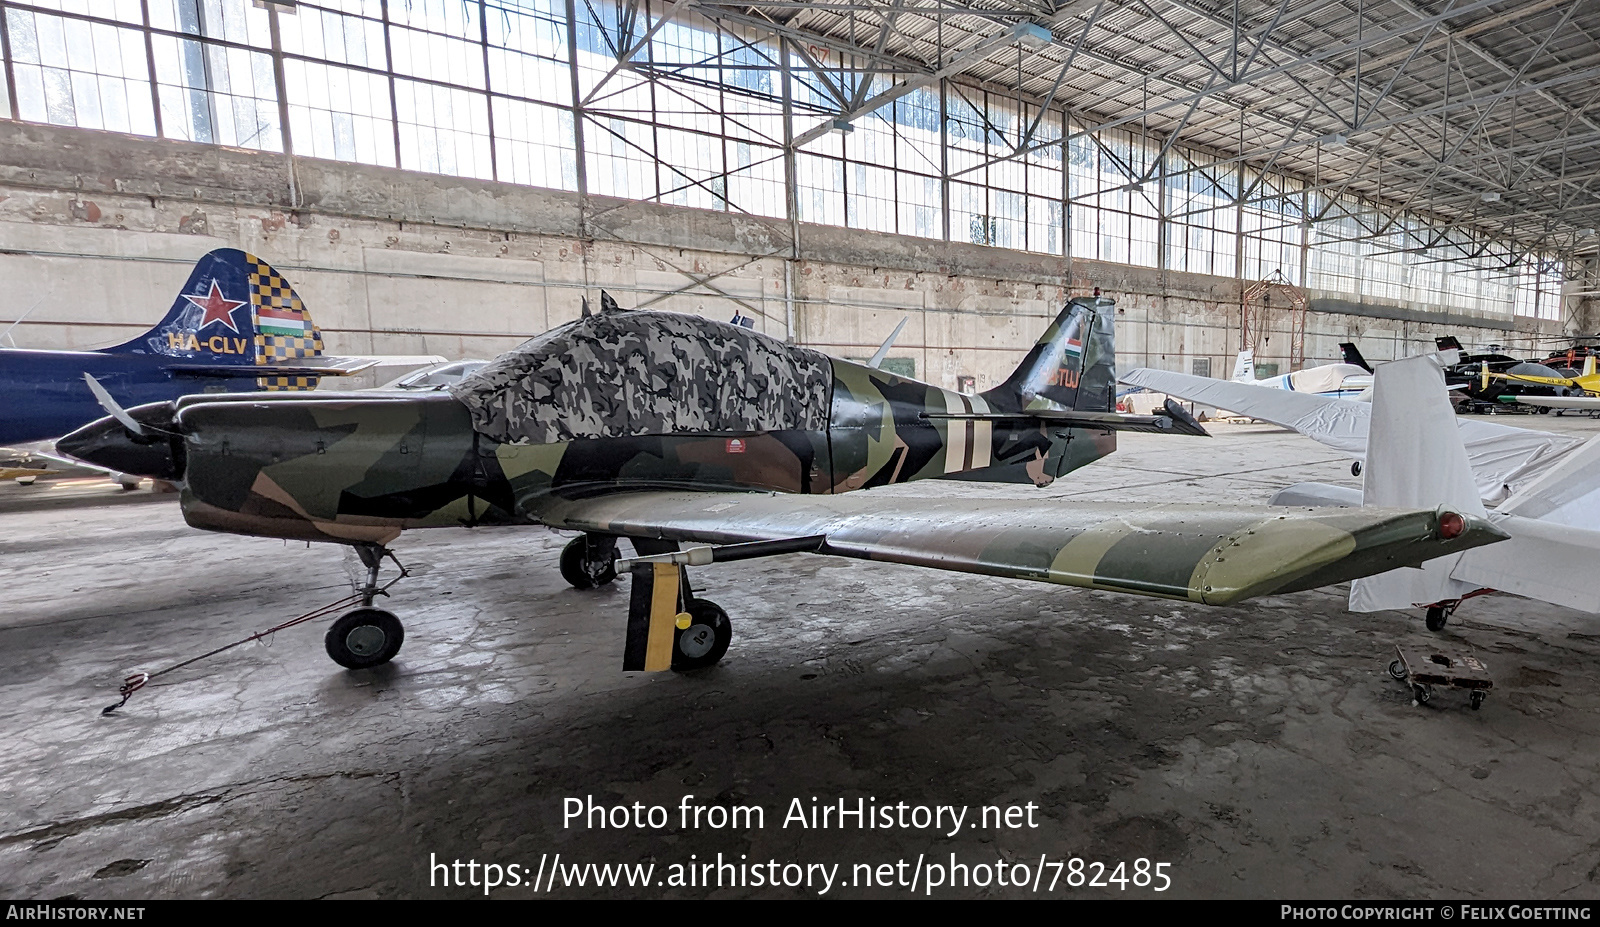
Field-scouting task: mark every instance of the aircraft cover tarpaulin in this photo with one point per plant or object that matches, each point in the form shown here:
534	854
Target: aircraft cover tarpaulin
647	373
1502	457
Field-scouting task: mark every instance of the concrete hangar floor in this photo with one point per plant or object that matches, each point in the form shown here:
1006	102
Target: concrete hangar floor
1260	750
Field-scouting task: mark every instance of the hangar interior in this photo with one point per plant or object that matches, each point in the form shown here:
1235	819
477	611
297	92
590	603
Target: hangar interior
453	176
826	168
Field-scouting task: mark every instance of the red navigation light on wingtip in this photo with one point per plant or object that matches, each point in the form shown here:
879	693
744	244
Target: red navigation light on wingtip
1451	525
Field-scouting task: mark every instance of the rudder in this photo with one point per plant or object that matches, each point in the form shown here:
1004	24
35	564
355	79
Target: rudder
235	310
1072	367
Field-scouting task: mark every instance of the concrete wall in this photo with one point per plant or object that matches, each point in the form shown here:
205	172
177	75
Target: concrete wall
98	232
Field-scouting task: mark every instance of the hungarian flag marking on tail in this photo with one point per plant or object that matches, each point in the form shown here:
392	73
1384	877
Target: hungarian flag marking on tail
281	322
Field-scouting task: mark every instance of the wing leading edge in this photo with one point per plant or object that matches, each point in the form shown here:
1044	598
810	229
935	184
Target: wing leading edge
1216	555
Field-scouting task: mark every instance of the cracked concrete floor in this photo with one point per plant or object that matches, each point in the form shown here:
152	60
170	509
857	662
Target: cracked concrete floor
1261	750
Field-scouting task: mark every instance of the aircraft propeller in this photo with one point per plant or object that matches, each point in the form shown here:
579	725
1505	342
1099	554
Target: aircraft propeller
111	407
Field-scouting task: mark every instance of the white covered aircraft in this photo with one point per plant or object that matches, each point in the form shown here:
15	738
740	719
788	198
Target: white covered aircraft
1546	486
1503	458
1346	380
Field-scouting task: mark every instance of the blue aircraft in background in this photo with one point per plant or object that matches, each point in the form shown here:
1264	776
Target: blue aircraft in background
236	326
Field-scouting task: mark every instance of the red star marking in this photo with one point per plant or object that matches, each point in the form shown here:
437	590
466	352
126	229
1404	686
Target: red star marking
217	309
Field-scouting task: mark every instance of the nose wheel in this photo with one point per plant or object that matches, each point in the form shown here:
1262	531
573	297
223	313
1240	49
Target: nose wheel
366	637
589	562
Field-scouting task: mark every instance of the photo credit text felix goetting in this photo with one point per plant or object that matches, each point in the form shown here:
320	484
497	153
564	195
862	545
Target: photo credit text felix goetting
928	873
1470	913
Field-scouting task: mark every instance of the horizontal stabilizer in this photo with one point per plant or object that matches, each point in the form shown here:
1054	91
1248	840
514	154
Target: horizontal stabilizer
1567	494
1215	555
299	369
1172	419
1312	495
1542	560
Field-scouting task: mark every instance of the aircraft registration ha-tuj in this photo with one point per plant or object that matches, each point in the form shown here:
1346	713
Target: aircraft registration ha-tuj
668	429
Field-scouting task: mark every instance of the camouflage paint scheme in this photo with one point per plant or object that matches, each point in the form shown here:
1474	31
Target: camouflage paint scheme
363	467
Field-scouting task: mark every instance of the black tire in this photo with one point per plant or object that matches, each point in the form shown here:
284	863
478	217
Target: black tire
1437	618
1397	670
1422	694
581	572
706	639
364	638
1477	699
1355	468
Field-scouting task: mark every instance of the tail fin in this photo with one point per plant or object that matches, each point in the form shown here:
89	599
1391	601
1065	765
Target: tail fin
1352	355
1588	365
235	310
1072	367
1415	459
1244	367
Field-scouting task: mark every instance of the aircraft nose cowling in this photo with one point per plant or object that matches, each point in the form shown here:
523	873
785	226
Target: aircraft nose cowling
157	454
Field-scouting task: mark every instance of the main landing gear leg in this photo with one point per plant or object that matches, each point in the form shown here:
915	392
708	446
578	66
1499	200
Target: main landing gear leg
368	636
1439	612
668	627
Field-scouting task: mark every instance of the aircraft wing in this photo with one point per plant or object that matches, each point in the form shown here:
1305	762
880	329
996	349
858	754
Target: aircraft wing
1502	457
1215	555
1339	423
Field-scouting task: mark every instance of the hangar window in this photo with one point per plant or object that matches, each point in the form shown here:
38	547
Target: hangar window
73	72
1201	214
696	111
211	93
443	130
340	113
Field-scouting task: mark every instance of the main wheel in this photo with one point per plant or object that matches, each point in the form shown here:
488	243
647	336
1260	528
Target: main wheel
1437	616
582	572
364	637
706	638
1477	699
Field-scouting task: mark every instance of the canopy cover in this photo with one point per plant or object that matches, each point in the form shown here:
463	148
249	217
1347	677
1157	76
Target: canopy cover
624	373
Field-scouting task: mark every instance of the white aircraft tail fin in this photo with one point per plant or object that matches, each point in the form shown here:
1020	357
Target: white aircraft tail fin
1415	459
1588	366
1244	367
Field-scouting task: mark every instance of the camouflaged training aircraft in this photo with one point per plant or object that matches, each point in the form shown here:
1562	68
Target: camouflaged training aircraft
664	428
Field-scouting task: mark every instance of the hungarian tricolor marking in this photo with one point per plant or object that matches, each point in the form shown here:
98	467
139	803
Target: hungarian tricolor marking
281	322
